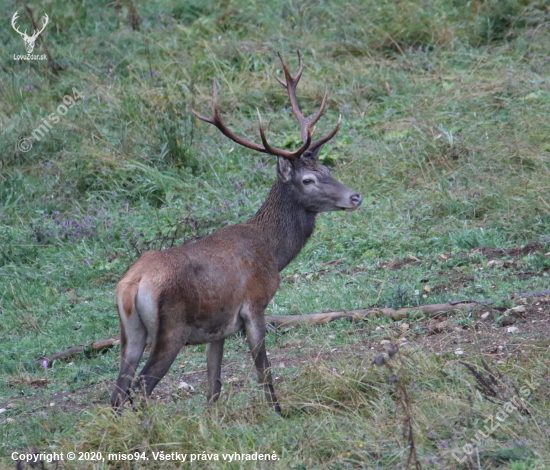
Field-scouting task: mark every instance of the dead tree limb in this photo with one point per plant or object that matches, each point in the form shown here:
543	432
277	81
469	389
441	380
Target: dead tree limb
287	321
95	346
542	293
283	321
280	321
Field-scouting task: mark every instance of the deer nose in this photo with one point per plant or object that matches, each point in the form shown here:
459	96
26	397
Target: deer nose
356	199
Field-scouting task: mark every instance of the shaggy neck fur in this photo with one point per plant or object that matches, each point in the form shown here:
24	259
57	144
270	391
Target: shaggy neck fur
286	223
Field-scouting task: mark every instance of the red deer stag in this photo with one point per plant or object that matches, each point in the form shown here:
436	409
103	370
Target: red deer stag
205	291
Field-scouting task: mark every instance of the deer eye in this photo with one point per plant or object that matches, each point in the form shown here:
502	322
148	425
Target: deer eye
307	181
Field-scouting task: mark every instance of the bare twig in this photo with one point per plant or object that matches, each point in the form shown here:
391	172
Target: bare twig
408	433
133	17
397	379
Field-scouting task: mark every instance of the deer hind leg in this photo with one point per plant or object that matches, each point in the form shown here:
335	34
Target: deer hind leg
133	337
168	343
214	355
255	333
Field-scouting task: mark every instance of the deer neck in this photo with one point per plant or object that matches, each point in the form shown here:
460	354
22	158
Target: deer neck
285	222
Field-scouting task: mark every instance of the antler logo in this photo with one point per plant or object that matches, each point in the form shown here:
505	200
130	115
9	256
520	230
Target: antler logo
29	40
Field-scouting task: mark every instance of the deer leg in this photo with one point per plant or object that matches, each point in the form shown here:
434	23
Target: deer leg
214	355
132	340
255	333
168	344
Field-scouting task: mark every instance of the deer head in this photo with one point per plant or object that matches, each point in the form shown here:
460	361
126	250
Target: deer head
29	40
310	182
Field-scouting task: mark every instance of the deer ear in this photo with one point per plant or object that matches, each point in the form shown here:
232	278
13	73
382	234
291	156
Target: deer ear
312	155
315	154
284	170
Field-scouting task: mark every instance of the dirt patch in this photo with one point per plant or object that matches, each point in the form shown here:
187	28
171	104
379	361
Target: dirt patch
455	282
29	382
486	336
514	252
527	276
529	249
489	252
396	264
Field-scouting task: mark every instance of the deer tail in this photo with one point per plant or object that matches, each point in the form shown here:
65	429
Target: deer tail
126	293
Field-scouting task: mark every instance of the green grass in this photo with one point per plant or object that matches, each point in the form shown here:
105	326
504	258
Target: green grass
445	108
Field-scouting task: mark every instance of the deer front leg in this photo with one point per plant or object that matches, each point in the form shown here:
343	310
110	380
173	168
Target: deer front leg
214	355
255	333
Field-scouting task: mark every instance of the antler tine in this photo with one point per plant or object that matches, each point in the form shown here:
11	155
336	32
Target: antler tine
215	104
319	142
262	134
305	123
290	85
274	151
214	99
217	121
288	76
313	119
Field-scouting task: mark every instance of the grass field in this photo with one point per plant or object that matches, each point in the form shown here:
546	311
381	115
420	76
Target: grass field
445	110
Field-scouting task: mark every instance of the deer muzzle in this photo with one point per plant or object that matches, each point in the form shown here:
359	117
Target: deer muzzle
354	201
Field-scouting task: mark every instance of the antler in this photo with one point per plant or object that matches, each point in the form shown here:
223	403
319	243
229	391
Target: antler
266	148
45	21
13	20
305	123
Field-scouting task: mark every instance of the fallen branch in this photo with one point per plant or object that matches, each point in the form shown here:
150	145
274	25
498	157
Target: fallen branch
287	321
396	314
277	321
96	346
542	293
